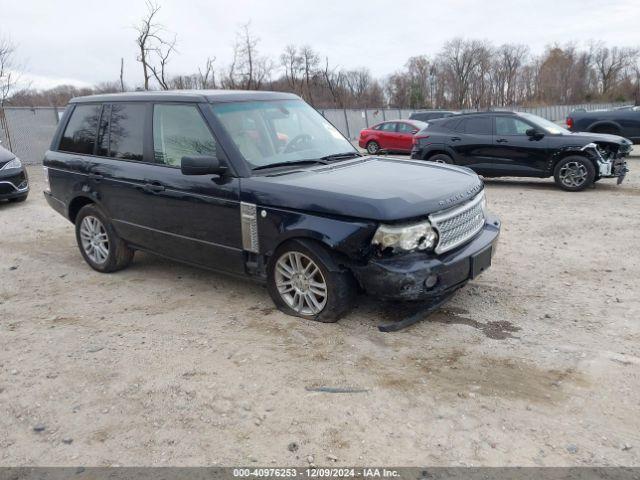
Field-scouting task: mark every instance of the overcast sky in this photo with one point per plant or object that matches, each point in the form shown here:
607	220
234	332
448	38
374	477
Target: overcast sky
81	41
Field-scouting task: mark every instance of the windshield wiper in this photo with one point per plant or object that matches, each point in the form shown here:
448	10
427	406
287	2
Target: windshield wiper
293	162
338	156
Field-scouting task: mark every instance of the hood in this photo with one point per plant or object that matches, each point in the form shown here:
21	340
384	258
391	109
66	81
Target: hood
372	188
599	137
5	156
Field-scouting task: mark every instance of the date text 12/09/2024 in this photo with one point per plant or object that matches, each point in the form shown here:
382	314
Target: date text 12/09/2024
315	472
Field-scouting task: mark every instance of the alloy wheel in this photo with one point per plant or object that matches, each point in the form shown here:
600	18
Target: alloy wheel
94	238
573	174
300	283
373	148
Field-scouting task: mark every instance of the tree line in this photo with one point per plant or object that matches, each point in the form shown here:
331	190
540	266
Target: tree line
465	73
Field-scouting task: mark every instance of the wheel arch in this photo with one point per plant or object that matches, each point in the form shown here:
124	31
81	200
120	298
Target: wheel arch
349	239
331	246
570	152
76	204
436	149
605	123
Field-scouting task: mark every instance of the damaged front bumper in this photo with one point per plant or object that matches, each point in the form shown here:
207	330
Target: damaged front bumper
421	276
613	167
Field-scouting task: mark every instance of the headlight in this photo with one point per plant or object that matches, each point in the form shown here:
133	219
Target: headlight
15	163
420	236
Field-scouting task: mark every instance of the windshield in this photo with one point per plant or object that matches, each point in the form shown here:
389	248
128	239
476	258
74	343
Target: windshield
547	125
280	131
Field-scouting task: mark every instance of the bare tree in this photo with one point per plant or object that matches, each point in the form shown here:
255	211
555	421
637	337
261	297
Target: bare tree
248	70
162	52
310	62
460	59
122	74
152	47
292	66
334	81
9	77
207	77
610	63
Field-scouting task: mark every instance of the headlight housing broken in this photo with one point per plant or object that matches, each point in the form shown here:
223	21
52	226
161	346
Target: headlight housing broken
406	238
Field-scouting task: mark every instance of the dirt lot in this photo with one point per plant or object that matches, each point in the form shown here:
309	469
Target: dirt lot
535	363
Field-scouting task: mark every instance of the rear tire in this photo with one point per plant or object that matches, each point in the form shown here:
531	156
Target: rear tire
574	173
441	158
98	242
305	281
373	147
608	129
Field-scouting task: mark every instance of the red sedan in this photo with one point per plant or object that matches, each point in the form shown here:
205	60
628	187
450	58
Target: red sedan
392	136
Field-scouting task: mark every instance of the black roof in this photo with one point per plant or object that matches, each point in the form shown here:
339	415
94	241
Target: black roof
491	112
212	96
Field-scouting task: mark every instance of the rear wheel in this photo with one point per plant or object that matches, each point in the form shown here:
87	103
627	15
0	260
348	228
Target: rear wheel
441	158
574	173
99	244
305	281
608	129
373	147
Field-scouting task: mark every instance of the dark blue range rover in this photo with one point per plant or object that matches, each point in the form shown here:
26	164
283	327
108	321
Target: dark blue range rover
259	184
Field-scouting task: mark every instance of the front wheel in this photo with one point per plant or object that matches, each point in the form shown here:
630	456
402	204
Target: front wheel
99	244
574	173
373	147
305	281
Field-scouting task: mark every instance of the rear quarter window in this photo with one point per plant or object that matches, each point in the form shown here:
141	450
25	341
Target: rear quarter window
126	131
80	133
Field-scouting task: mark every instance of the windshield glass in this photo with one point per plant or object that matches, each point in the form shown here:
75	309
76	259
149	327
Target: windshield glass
280	131
547	125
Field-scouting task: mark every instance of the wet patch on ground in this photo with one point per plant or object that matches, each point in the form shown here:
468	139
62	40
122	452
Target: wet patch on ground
496	330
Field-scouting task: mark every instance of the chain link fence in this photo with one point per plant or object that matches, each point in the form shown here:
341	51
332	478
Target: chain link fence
28	131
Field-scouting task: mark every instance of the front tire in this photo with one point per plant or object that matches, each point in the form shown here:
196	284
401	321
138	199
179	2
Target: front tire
304	280
373	147
441	158
98	242
574	173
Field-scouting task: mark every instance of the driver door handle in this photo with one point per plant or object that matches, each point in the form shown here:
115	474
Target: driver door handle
153	187
455	139
502	140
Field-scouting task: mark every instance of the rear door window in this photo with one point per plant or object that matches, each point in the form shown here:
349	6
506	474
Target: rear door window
478	126
406	128
80	133
126	131
179	131
450	124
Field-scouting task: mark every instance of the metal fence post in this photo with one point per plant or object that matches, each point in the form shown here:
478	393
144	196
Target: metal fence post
366	117
346	122
384	117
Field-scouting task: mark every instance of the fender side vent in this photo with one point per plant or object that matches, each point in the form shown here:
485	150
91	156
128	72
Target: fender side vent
249	223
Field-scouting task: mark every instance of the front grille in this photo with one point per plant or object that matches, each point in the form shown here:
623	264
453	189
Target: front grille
6	188
459	224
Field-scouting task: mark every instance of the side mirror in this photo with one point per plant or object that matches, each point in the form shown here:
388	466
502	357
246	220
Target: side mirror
533	133
201	165
413	132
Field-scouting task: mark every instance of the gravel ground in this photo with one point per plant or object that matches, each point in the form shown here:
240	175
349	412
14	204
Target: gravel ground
534	363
